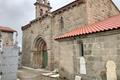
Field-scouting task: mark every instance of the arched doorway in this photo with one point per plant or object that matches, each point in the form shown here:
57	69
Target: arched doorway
40	56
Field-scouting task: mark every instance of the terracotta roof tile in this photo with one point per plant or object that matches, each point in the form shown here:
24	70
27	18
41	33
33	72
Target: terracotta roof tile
107	24
7	29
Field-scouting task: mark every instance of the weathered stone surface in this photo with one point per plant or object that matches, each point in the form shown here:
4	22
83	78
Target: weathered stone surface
118	37
98	47
118	51
88	52
100	9
7	38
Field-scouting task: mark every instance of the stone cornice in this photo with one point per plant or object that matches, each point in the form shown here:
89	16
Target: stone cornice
26	26
35	20
67	7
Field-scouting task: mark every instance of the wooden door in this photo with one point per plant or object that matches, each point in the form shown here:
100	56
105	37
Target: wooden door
45	59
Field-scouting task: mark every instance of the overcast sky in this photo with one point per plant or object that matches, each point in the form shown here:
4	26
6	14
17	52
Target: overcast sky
16	13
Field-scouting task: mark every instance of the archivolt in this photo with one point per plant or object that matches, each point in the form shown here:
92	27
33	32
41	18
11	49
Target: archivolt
39	43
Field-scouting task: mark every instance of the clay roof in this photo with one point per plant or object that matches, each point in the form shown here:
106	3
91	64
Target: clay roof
107	24
7	29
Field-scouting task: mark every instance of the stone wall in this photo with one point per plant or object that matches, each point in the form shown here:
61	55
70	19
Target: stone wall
7	38
98	10
61	54
99	49
69	59
66	66
37	29
28	37
48	28
26	47
72	18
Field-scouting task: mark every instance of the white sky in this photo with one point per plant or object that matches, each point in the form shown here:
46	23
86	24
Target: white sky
16	13
117	2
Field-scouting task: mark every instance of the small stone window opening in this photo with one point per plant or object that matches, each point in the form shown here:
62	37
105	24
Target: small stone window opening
46	11
43	2
0	35
41	12
61	22
6	43
1	73
1	45
81	48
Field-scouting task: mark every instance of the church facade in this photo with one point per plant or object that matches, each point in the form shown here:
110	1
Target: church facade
43	47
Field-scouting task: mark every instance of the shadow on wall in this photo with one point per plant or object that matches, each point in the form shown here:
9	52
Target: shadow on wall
103	75
65	75
118	77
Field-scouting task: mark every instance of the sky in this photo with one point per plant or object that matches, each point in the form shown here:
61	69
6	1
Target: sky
17	13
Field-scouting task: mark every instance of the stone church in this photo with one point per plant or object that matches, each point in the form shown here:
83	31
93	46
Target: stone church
81	38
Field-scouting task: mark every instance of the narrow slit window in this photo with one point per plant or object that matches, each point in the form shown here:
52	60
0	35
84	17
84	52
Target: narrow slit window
81	48
61	23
